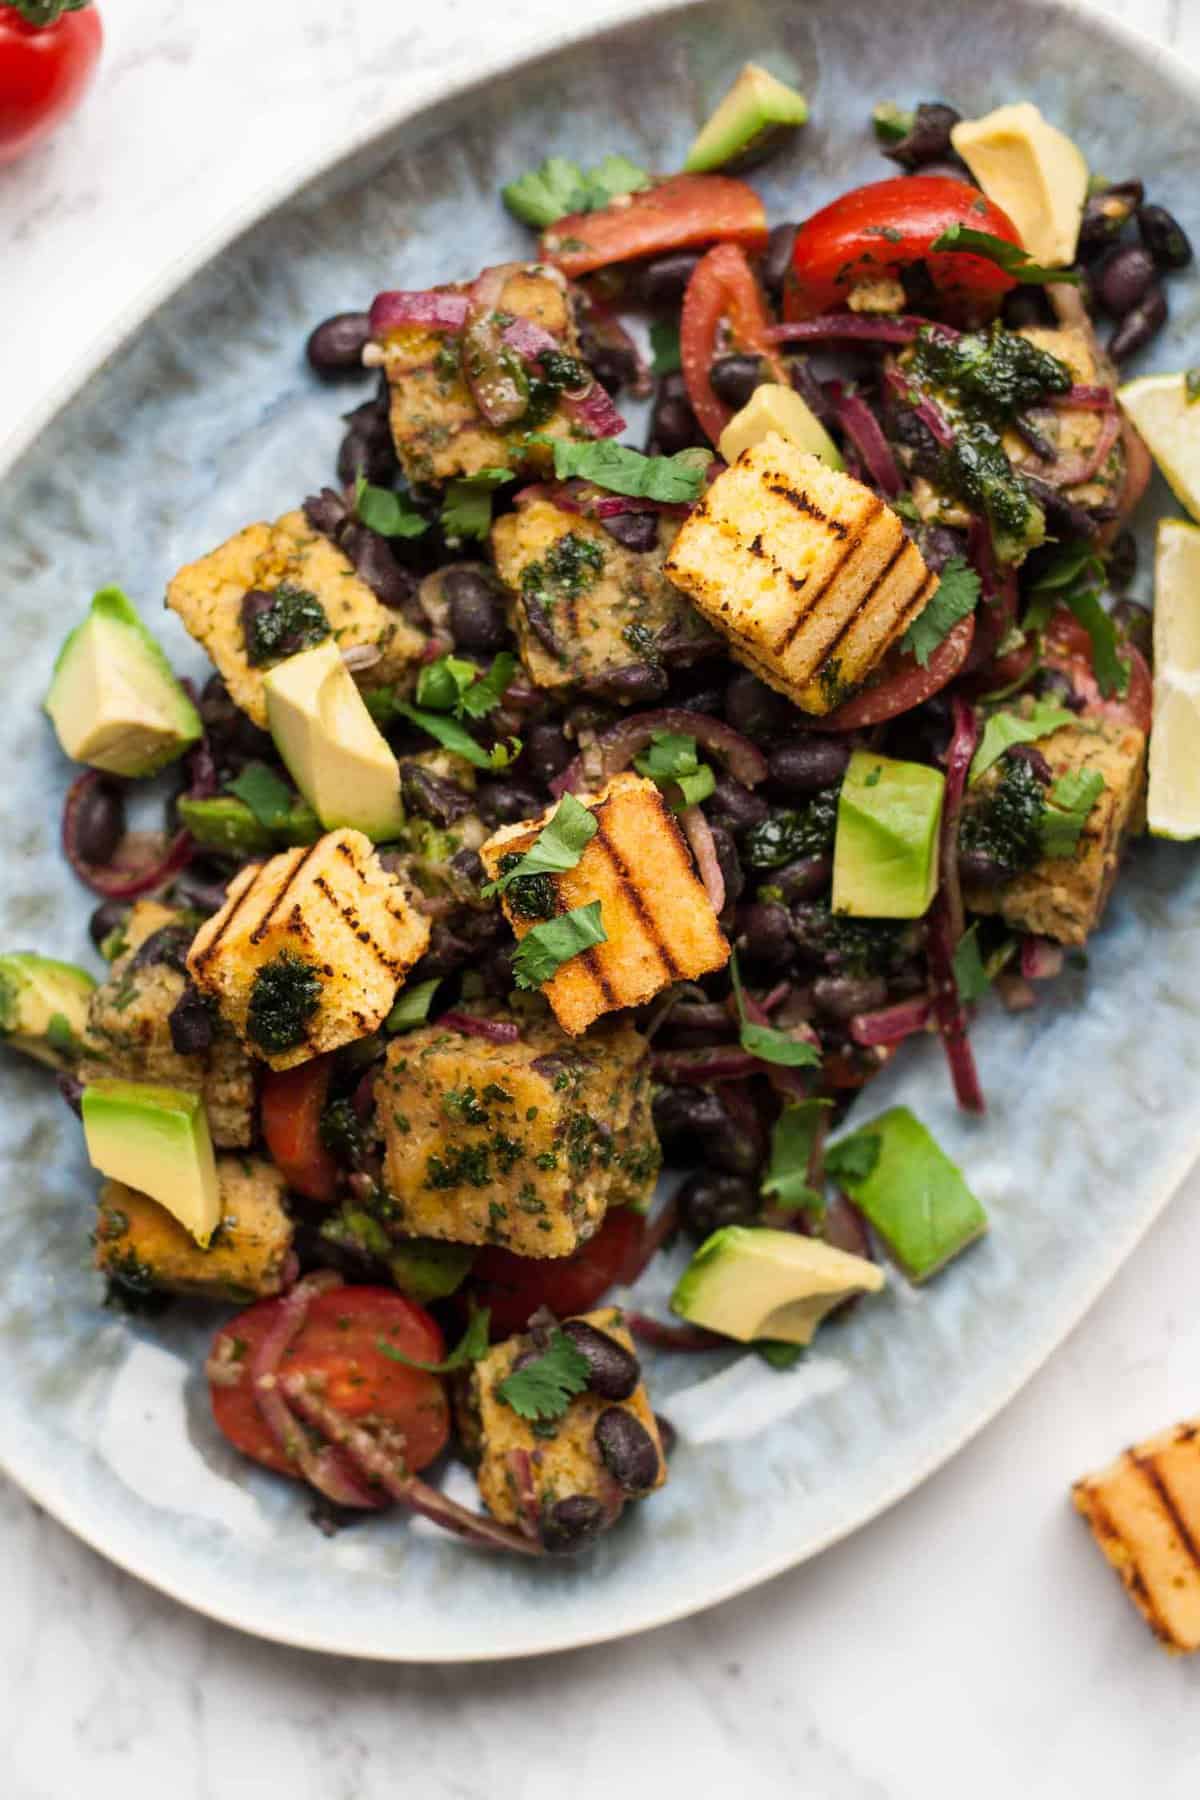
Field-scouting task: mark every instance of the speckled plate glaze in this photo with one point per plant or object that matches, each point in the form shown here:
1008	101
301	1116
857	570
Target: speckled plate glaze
202	418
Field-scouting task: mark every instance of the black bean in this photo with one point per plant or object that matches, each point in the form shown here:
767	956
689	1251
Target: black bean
734	378
190	1023
467	866
614	365
1137	625
755	709
99	822
433	796
200	889
841	996
708	1201
688	1112
777	258
1060	687
108	917
613	1371
764	933
673	424
928	138
1025	306
633	530
1030	754
803	879
1066	518
256	603
1122	561
337	344
1124	279
949	169
71	1089
477	619
939	544
1164	237
326	511
372	557
811	391
638	684
570	1524
547	752
729	863
668	1437
1106	215
367	449
506	802
979	869
737	807
1139	326
660	283
808	764
627	1450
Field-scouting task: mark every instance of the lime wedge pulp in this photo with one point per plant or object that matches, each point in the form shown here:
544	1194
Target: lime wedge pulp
1173	805
1169	421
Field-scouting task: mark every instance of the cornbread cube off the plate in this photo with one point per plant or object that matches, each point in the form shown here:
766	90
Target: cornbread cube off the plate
129	1027
208	597
1064	897
309	949
659	922
438	430
522	1144
138	1242
584	608
564	1459
1144	1512
807	573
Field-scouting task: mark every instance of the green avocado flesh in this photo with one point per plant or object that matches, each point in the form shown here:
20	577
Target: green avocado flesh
113	698
747	1282
156	1139
334	751
44	1006
885	854
757	111
227	824
914	1196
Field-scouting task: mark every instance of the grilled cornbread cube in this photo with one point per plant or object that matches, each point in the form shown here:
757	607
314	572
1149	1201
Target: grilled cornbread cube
806	572
138	1242
1144	1512
1064	897
309	949
208	596
129	1028
563	1460
584	608
438	431
522	1144
1074	432
659	921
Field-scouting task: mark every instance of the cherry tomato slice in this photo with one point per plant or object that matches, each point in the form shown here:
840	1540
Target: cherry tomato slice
722	286
515	1286
339	1341
881	229
1068	648
675	214
292	1103
904	683
44	70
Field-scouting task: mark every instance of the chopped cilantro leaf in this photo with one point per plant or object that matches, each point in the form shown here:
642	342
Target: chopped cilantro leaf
392	515
1004	729
1068	807
486	693
559	186
675	479
453	736
544	949
970	976
791	1154
665	356
269	798
544	1388
467	506
853	1159
1009	257
442	684
1111	669
412	1006
672	760
470	1347
766	1042
557	847
956	595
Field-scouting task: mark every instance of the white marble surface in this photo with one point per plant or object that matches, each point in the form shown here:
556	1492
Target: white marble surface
969	1643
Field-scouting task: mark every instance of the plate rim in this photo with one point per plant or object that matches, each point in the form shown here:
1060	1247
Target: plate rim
268	197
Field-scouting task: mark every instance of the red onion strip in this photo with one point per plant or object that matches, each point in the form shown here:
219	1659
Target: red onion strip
866	434
1041	959
521	1470
946	920
925	410
720	1063
698	832
590	407
1094	461
618	746
117	880
436	311
661	1336
890	1024
1084	399
871	328
495	1031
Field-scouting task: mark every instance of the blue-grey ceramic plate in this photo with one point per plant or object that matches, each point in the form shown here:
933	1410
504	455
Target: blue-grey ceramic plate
203	419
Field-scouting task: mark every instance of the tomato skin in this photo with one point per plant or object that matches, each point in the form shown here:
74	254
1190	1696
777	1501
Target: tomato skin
906	684
722	286
1068	648
338	1341
292	1103
881	229
515	1286
675	214
44	71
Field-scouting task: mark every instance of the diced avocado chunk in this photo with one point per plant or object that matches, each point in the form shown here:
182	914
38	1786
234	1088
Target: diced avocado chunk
227	824
336	754
114	700
748	1282
773	407
44	1006
156	1139
426	1270
911	1192
885	852
1033	172
758	111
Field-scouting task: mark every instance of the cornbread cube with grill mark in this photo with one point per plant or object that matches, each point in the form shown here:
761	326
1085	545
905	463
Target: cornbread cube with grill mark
563	1458
1144	1511
138	1242
583	607
522	1144
309	949
1064	897
129	1029
659	921
208	596
806	572
438	430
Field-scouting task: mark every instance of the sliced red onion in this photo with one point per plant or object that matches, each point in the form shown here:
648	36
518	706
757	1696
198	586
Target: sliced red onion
618	746
497	392
1084	399
432	308
946	918
866	434
142	861
589	406
891	1024
868	328
996	618
698	832
494	1031
662	1336
717	1063
925	410
1041	959
521	1469
1110	431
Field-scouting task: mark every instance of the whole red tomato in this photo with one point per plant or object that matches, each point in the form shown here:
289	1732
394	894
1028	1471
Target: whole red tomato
48	53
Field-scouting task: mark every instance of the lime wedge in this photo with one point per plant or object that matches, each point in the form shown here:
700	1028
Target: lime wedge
1173	806
1170	423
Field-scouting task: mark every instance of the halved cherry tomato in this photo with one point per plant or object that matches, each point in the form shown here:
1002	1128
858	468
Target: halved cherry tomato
883	228
292	1103
515	1286
1068	648
339	1341
48	55
675	214
722	286
904	683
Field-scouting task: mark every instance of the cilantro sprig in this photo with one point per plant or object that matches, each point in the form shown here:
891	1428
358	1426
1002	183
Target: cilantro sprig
970	976
676	480
390	514
544	949
1004	729
452	684
766	1042
854	1158
543	1389
672	760
792	1143
956	595
1074	578
559	186
1009	257
453	736
557	847
470	1347
467	506
1068	807
269	799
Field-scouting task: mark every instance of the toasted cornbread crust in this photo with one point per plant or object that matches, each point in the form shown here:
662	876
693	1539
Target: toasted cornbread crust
248	1255
1144	1512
